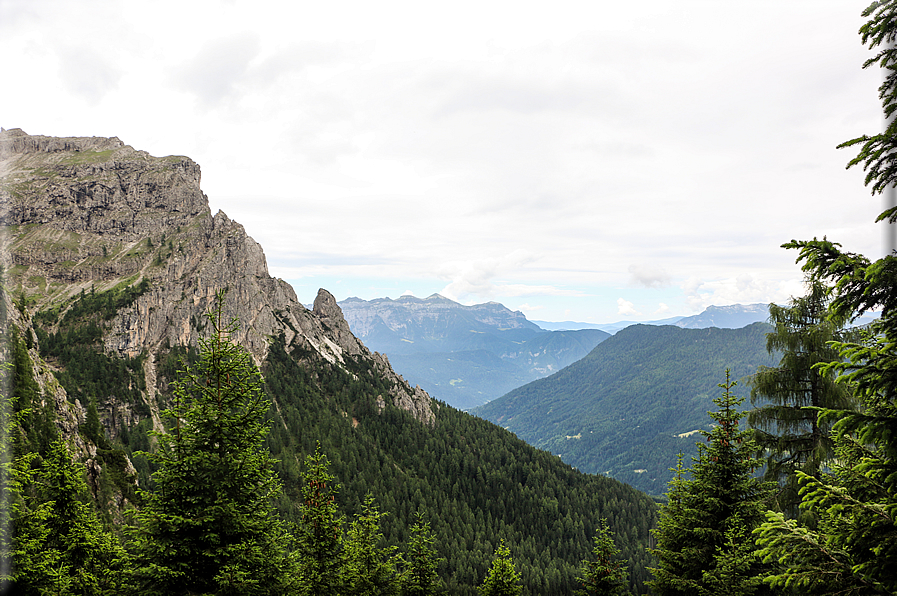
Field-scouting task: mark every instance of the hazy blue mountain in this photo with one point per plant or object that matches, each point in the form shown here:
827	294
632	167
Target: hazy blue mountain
569	325
728	317
733	316
635	401
464	355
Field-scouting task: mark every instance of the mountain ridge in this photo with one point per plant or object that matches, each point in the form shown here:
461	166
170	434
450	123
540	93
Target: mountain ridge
91	213
464	355
635	401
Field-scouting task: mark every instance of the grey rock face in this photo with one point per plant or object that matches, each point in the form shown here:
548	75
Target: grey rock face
86	213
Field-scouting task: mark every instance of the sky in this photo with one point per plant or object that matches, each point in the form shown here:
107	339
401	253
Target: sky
575	160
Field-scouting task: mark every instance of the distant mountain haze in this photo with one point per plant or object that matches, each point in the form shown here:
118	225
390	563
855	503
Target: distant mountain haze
464	355
733	316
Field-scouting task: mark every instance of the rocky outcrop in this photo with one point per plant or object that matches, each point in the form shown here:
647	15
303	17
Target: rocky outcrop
88	213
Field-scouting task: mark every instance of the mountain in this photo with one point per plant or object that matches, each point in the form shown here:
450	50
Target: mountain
728	317
734	316
110	259
464	355
566	325
635	401
410	325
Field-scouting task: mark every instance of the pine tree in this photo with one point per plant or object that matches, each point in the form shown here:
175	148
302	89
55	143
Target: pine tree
786	424
501	579
602	574
674	575
369	569
319	532
852	548
826	558
60	545
722	500
210	526
28	565
421	577
95	558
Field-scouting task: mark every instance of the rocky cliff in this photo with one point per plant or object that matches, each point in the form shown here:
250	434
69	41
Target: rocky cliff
88	215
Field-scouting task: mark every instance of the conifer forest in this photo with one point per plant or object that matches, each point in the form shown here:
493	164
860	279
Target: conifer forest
293	477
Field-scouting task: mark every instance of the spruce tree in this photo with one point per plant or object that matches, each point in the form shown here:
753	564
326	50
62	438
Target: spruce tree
369	569
852	546
721	500
602	574
319	532
210	528
501	579
60	545
420	577
786	397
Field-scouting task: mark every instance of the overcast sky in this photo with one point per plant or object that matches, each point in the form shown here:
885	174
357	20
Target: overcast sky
582	160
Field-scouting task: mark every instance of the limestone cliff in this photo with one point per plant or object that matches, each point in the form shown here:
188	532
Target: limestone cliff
89	214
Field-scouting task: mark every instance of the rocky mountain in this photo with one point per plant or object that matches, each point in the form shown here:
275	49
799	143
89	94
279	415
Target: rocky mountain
91	214
410	325
464	355
111	257
635	401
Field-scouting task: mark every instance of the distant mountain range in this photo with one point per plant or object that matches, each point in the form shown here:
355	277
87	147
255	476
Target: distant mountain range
734	316
464	355
635	401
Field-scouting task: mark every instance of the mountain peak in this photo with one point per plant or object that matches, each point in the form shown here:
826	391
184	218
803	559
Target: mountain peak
93	214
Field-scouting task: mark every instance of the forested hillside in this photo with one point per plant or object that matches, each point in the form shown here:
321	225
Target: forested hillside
476	483
635	401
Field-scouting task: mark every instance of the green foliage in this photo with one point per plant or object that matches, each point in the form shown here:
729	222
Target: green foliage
87	371
698	547
850	549
93	430
822	559
620	410
602	574
785	419
210	526
319	532
502	579
36	417
369	569
421	576
60	546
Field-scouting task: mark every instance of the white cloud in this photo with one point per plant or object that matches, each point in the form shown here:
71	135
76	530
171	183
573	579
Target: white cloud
649	276
743	289
217	71
87	72
661	309
626	308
